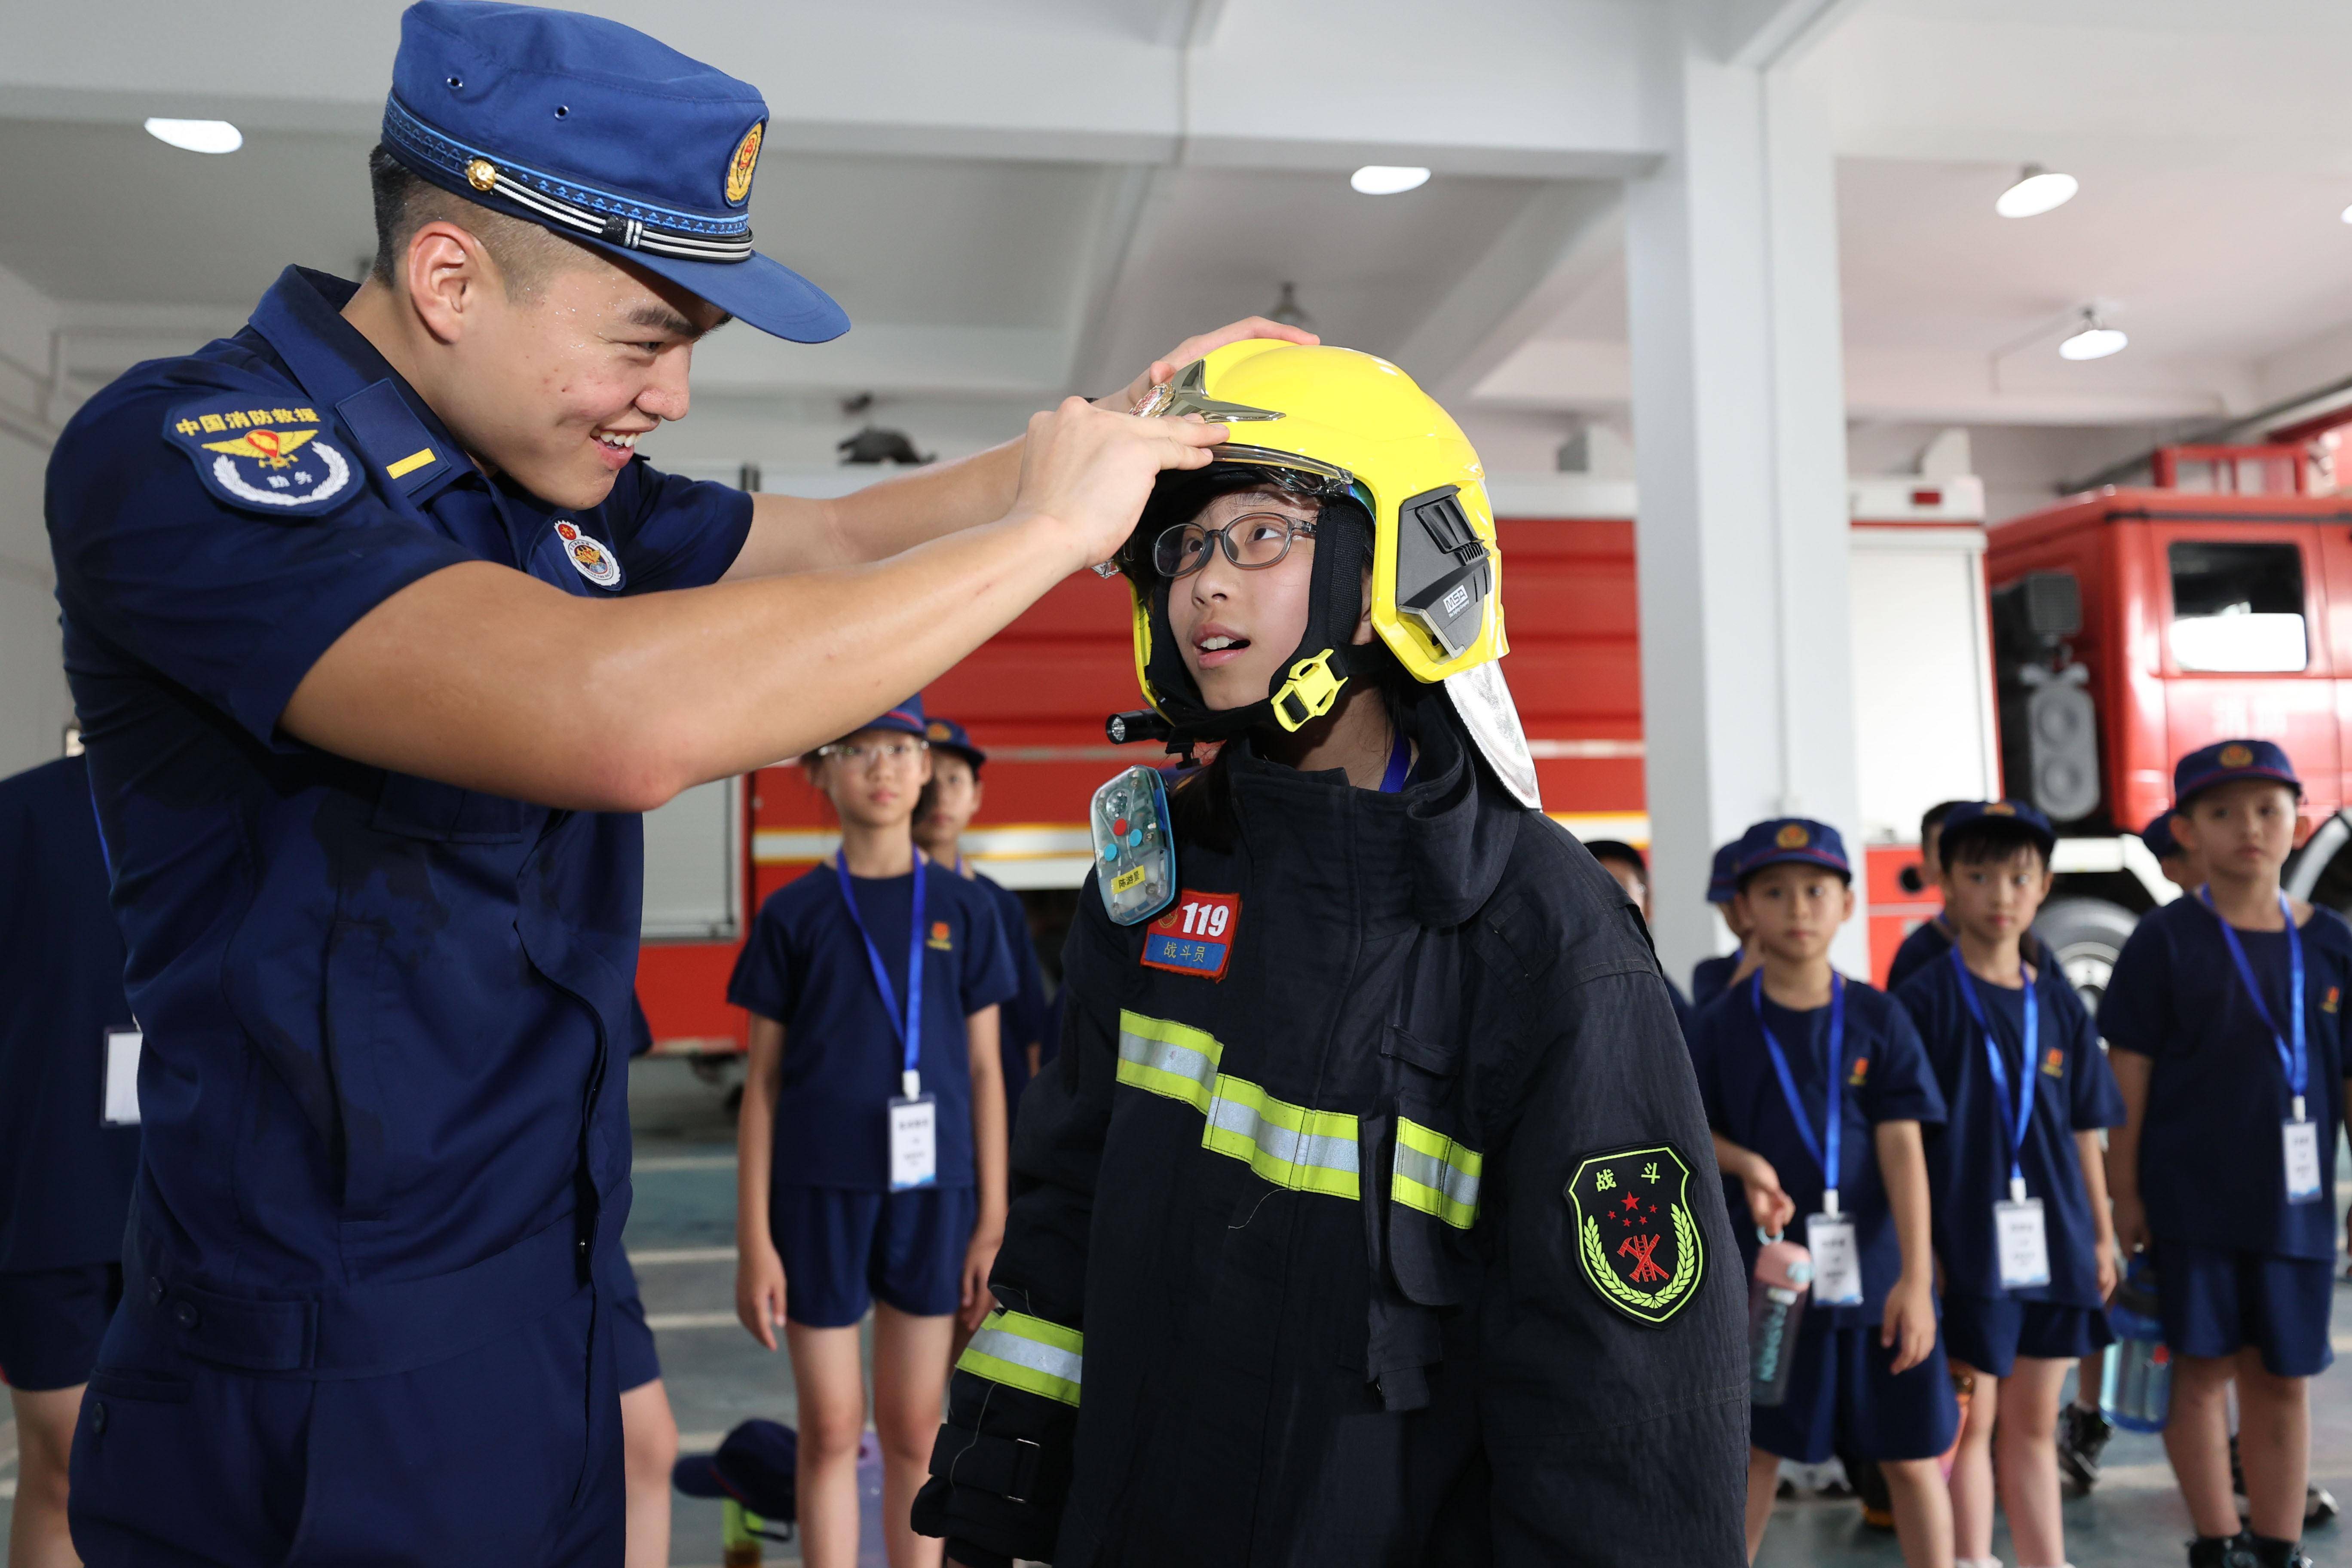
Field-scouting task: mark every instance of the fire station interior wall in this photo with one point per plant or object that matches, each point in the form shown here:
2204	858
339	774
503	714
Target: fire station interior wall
34	704
1921	666
693	865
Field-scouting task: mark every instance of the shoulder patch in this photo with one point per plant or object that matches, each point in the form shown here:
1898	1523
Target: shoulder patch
273	458
1637	1241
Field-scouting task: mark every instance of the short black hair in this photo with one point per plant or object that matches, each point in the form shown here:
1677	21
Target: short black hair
1933	818
405	202
1617	849
1989	840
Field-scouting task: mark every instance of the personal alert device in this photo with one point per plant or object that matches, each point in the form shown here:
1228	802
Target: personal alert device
1135	856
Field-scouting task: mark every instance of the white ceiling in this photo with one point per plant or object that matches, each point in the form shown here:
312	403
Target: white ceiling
1041	198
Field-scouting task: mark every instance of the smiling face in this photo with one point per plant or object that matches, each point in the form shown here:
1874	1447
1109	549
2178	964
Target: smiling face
2240	830
1236	628
1794	909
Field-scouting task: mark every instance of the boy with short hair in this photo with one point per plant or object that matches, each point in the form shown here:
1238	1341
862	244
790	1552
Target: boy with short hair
2225	1016
2183	868
1711	977
2021	1202
1929	941
1816	1088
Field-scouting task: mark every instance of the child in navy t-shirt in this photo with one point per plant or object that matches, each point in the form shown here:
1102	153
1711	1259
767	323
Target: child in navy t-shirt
1804	1072
2015	1316
2227	1019
827	1221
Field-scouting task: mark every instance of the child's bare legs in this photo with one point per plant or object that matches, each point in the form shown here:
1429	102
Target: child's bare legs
2026	1450
911	1381
2197	1441
1763	1481
1923	1509
1971	1486
832	1386
44	1428
649	1449
2273	1445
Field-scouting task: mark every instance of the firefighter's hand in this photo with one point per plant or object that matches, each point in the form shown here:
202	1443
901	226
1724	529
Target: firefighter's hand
978	1260
760	1292
1191	349
1767	1204
1090	471
1910	1326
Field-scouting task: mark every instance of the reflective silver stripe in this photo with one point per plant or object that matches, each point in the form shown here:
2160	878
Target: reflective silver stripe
1168	1059
1290	1145
1459	1187
1025	1353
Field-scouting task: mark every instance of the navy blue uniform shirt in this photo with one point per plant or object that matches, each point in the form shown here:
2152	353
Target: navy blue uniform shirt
1968	1157
64	1176
2213	1160
805	968
1024	1019
1922	945
1885	1076
1711	977
386	1017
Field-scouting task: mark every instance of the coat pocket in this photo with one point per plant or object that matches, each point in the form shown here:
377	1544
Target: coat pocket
1432	1203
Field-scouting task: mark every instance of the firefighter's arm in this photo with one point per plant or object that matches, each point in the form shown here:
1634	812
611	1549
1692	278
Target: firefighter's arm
1001	1467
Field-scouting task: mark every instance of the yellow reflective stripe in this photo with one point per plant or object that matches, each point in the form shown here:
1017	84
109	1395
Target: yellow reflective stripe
1168	1059
1289	1145
1028	1354
1436	1174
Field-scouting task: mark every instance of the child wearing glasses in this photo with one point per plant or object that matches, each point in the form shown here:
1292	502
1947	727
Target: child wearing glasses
872	1141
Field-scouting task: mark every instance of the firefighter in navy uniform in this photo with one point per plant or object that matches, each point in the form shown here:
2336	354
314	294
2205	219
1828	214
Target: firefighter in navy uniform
1367	1216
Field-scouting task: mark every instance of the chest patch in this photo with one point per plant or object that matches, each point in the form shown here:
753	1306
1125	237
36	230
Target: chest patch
1636	1239
272	460
590	558
1196	935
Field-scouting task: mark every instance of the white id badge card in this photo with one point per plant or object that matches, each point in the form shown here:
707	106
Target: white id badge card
1837	1260
2302	1162
914	1143
2021	1243
120	1107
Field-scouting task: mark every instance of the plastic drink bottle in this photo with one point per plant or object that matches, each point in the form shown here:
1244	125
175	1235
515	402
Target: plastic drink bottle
1776	1308
2137	1392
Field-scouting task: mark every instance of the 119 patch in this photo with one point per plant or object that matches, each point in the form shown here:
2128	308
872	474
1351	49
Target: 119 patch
1195	936
1637	1241
269	457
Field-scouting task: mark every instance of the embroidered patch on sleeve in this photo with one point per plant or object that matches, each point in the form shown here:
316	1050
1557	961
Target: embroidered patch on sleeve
1637	1241
271	458
1196	935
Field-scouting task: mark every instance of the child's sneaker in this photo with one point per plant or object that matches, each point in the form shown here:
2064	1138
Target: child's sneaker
2223	1552
2082	1436
2264	1552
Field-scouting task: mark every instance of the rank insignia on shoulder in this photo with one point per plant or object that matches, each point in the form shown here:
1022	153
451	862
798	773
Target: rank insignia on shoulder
1637	1241
1196	935
275	460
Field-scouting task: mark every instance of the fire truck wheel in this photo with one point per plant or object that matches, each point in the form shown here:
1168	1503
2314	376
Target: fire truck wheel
2088	936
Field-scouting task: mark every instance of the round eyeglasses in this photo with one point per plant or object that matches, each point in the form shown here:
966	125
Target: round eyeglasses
1252	542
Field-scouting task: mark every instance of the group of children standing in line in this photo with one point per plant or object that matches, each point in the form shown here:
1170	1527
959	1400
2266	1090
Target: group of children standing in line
1939	1150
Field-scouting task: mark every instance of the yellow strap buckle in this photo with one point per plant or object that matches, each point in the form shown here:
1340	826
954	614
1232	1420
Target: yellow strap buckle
1310	692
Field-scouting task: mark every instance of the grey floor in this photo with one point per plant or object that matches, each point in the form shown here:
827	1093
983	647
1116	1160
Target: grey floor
681	1237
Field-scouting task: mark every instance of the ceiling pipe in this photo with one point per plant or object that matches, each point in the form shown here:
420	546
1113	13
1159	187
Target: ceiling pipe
2216	433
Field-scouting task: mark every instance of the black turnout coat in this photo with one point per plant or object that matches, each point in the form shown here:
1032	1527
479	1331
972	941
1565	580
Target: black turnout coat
1396	1241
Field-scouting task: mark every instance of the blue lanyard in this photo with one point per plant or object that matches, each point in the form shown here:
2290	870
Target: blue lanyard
1827	1159
910	1029
2025	1113
1400	765
2295	1060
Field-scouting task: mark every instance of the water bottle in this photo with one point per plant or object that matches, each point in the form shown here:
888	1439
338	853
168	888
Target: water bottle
2135	1393
1776	1309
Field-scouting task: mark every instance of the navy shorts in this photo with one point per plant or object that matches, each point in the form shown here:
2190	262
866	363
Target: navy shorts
633	1338
1989	1332
2215	1301
843	1250
1843	1400
51	1321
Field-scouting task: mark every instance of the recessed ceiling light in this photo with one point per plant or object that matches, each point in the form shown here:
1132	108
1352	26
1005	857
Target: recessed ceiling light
2347	215
197	135
1386	179
2036	191
2094	340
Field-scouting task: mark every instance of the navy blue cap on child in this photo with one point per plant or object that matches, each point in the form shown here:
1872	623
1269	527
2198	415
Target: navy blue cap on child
754	1464
1968	812
604	135
2225	761
1723	876
2158	835
1792	841
907	719
947	735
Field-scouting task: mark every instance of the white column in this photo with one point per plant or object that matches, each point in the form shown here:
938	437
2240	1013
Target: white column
1739	445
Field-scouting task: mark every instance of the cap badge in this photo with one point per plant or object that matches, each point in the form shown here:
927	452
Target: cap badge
588	557
2236	756
1792	836
2001	808
937	729
740	168
482	175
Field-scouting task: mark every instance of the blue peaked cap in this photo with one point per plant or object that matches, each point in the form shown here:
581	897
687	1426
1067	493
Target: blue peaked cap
604	135
2225	761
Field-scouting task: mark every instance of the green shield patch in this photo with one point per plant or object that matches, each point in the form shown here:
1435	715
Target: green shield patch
1635	1235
